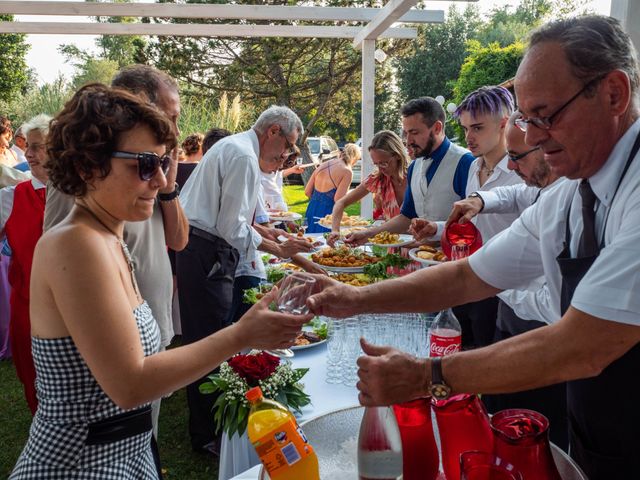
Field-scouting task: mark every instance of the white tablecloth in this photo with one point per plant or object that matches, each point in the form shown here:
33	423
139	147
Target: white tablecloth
237	455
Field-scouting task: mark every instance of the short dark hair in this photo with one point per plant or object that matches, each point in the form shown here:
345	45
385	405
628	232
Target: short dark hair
192	143
430	109
87	130
144	80
212	137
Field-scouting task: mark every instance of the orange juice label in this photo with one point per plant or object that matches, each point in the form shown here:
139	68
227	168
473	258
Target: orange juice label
282	447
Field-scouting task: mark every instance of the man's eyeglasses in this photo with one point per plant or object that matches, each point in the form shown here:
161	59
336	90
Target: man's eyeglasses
291	148
545	123
520	156
148	163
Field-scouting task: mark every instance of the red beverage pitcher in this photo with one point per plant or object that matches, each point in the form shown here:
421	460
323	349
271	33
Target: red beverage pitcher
419	450
522	438
461	234
463	425
486	466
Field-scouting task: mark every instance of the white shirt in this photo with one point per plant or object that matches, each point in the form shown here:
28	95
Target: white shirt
510	199
10	176
272	188
221	194
489	224
529	248
19	153
6	200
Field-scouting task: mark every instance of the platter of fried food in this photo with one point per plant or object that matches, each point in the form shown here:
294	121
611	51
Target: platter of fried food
389	240
353	279
347	221
280	216
427	255
343	259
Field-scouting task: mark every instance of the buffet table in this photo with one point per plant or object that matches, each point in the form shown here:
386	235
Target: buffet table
237	456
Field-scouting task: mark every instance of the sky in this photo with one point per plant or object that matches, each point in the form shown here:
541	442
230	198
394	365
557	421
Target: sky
48	63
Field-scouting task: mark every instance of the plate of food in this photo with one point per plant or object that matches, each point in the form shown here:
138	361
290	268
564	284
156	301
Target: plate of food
348	221
390	240
313	334
427	255
353	279
315	241
343	259
280	216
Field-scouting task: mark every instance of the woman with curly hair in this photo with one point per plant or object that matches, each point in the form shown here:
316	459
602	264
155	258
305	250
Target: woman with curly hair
7	156
94	339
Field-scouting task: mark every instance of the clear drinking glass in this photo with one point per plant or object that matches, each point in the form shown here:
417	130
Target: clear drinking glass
292	297
335	342
351	351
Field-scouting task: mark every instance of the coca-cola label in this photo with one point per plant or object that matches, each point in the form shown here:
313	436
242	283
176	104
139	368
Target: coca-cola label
441	346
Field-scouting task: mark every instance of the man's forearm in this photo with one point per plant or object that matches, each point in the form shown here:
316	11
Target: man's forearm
176	225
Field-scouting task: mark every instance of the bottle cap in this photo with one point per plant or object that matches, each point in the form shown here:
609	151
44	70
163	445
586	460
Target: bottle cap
254	394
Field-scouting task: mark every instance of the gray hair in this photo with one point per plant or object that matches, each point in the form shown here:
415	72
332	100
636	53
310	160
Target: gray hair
279	115
594	45
39	122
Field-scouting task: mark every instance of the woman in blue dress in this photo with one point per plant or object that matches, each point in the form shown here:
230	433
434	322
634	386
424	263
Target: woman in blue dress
328	184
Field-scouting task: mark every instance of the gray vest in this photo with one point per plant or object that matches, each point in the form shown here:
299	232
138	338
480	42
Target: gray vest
434	201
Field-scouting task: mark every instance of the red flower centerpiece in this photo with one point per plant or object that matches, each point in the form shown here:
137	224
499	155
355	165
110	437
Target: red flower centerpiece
277	380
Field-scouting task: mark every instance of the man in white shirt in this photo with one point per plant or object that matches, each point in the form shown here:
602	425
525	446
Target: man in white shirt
577	88
20	145
219	200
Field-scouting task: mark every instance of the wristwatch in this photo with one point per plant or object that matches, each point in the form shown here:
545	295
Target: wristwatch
167	197
438	389
477	195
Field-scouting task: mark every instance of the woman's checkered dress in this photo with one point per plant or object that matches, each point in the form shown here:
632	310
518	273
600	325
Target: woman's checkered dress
69	398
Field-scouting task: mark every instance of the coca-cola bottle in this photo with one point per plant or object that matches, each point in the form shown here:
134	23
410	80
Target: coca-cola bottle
522	438
463	425
446	335
420	458
379	445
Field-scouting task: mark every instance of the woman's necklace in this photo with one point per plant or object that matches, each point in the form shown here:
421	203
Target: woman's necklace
123	247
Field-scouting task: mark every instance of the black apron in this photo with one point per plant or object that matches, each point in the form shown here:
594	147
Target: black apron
604	411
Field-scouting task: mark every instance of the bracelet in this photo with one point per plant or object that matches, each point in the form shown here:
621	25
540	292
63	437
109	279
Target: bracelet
168	197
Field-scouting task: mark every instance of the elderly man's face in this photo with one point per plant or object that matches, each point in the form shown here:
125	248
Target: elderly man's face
529	164
278	146
583	133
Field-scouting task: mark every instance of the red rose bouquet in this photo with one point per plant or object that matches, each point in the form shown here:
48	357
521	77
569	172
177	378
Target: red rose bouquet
277	380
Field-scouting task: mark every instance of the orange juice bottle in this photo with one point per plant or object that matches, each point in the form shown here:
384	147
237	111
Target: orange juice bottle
279	441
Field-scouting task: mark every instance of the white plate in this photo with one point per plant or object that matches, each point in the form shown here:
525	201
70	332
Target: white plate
412	254
304	347
344	227
318	241
284	218
404	240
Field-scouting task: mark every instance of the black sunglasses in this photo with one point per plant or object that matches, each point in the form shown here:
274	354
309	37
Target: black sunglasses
148	163
520	156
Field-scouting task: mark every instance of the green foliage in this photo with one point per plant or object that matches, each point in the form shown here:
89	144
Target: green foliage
48	98
94	70
14	74
199	115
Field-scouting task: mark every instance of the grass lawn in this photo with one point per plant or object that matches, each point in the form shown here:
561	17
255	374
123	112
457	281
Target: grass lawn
178	460
297	200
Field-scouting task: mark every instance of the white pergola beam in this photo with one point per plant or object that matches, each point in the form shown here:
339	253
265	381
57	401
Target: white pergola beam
248	12
387	16
194	30
628	12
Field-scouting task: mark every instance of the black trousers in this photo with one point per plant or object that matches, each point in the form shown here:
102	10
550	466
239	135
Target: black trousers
478	322
550	401
205	271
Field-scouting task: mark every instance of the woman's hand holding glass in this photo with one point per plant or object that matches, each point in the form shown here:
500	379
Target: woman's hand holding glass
261	328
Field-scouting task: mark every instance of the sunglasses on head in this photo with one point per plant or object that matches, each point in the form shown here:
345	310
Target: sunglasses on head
148	163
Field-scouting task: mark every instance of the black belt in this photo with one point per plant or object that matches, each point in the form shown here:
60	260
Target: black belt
119	427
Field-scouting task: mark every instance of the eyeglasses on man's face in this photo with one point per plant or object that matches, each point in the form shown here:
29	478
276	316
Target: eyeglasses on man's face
545	123
148	163
520	156
290	147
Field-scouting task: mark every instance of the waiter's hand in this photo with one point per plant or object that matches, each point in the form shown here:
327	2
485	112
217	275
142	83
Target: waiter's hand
335	299
389	376
421	228
464	210
294	245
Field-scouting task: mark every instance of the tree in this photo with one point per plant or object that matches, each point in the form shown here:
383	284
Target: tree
438	54
14	74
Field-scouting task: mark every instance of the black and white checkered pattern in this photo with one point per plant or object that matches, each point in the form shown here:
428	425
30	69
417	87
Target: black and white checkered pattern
69	398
